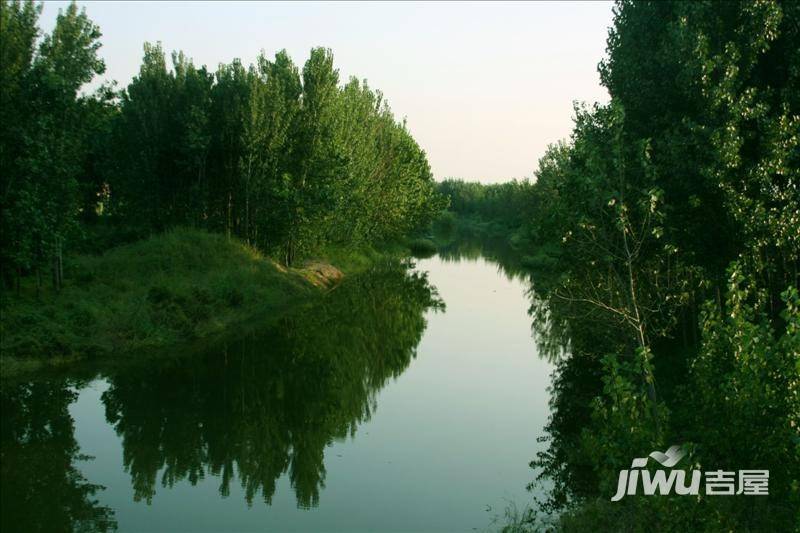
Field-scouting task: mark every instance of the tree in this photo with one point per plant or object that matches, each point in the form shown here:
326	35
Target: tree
230	100
44	150
269	165
143	140
18	34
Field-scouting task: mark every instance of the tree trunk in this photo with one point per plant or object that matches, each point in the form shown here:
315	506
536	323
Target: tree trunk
228	221
247	202
58	266
60	263
54	267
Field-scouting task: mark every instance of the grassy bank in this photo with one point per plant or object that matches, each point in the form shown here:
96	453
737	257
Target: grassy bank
177	287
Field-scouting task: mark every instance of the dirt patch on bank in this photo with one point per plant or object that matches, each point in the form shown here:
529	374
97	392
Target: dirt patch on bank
321	274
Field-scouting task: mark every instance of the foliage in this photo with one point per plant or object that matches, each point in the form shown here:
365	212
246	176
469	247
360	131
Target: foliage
178	286
665	243
491	210
422	247
755	372
287	159
44	136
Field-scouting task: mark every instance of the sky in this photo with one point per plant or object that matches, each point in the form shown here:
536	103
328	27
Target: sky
484	87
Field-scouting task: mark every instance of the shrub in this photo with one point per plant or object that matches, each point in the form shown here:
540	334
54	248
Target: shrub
422	247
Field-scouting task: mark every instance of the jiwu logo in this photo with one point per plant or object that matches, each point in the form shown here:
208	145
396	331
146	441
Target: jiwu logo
718	482
629	479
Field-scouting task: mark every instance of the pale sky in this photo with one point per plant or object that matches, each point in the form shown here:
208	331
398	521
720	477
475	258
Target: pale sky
484	87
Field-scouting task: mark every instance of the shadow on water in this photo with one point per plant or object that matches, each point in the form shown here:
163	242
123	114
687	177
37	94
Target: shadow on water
252	407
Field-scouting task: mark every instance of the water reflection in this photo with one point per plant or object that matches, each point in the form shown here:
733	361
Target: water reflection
269	402
252	408
41	489
550	329
471	247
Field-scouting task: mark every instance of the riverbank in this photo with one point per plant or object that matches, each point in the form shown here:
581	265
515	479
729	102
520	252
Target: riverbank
174	288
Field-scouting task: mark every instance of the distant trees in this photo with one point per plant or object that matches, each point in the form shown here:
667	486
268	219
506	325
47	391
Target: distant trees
509	203
287	159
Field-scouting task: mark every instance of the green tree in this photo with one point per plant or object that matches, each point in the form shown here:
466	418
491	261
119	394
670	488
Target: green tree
44	150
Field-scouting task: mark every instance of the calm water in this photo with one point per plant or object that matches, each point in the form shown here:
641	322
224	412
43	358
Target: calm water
400	402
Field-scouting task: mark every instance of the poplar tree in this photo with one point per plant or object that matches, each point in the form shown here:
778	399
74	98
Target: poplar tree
43	139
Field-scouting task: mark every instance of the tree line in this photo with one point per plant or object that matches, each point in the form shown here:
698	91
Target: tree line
665	240
508	203
286	158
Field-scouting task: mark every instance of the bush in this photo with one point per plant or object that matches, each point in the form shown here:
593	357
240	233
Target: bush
422	247
446	223
234	297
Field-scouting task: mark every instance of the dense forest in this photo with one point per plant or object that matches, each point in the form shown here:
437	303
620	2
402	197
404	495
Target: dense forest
287	159
664	238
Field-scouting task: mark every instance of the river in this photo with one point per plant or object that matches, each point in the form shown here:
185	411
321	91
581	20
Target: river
406	400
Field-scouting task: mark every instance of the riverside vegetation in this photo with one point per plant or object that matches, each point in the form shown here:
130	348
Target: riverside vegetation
664	242
246	408
268	165
179	286
661	240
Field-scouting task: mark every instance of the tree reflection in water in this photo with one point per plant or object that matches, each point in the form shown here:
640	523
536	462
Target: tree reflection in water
42	490
270	401
256	406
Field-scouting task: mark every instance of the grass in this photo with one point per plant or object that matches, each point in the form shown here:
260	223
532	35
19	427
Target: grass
172	288
357	260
